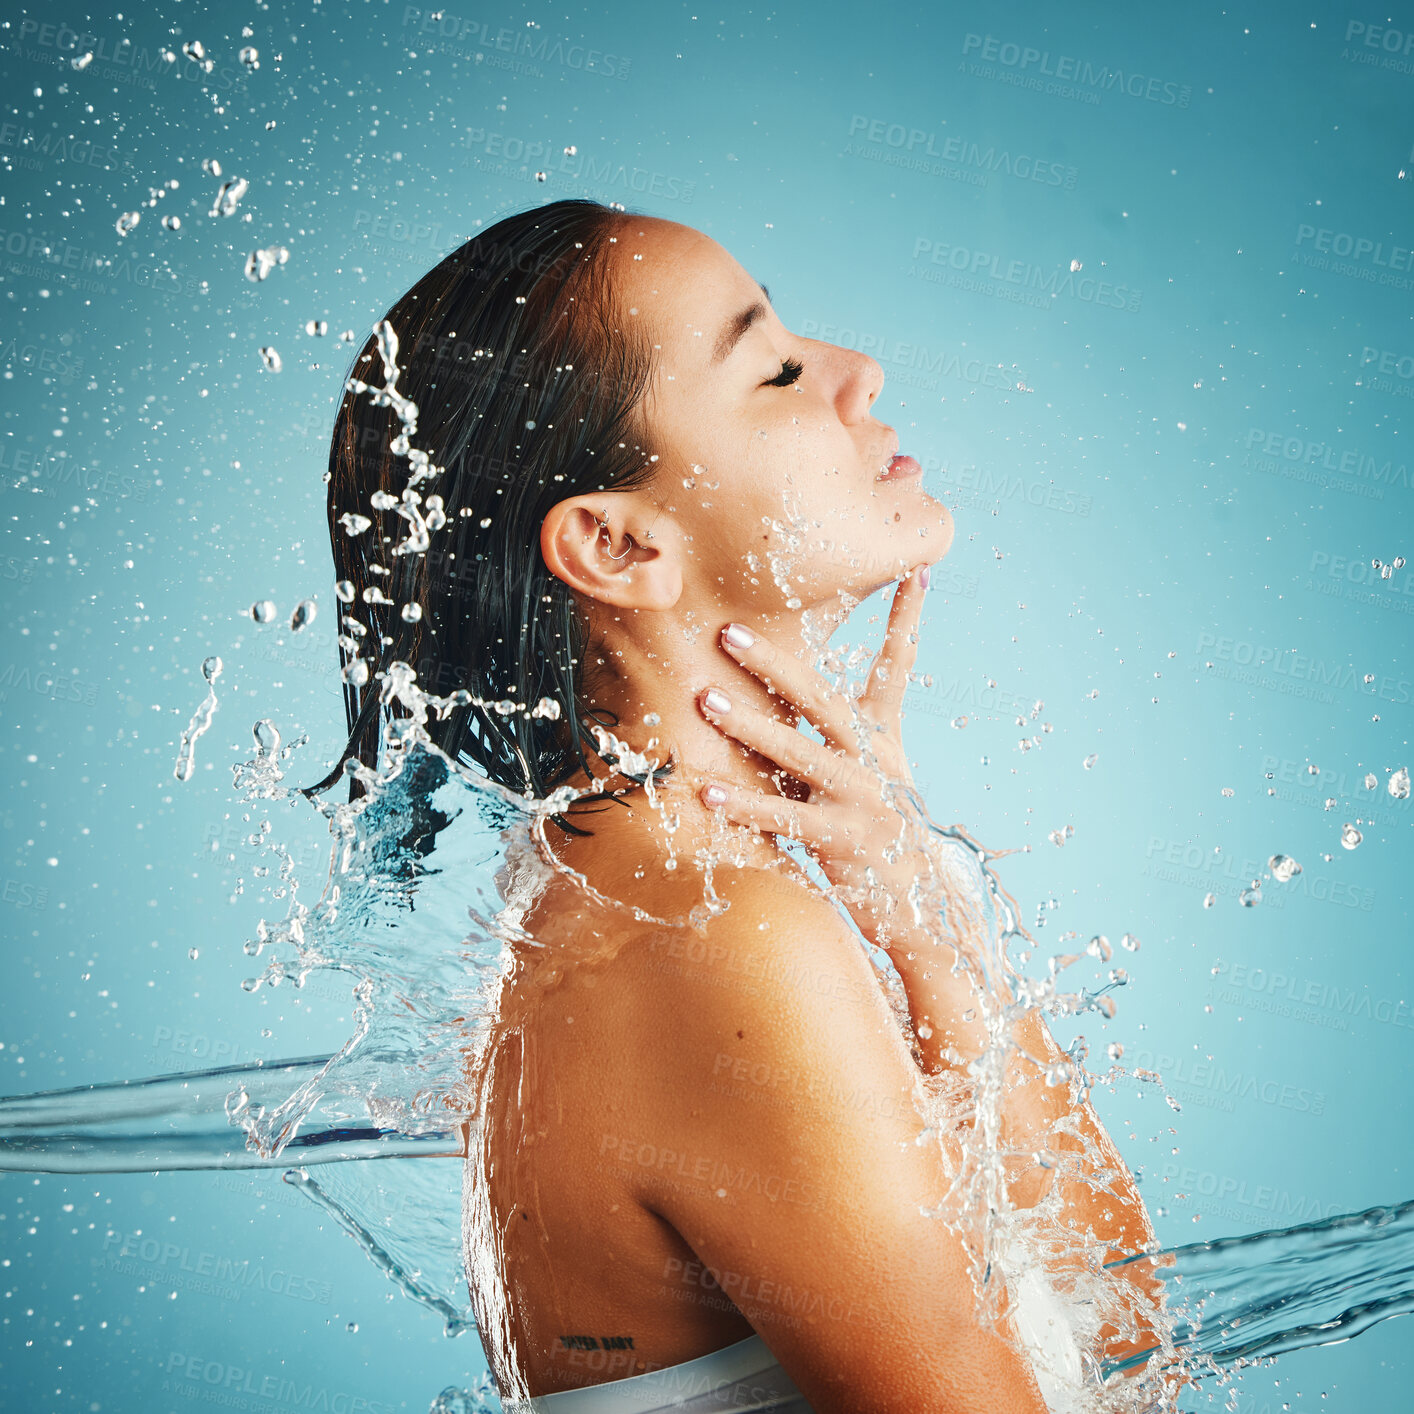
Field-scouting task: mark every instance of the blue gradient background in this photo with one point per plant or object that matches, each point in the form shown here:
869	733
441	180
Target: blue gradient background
1120	528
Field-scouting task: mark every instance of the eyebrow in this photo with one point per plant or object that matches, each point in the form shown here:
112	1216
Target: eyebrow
737	325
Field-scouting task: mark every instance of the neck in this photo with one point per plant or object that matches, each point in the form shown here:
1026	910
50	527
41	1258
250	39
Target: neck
651	680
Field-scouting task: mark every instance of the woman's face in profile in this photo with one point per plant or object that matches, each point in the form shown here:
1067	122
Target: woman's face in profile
769	456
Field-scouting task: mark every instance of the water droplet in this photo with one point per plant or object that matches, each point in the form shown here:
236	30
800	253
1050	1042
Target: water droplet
1399	784
271	359
259	263
1329	802
1089	762
211	166
1229	792
193	953
1350	837
262	611
1115	1050
316	328
1251	896
229	195
1129	943
959	722
356	672
127	221
411	613
304	614
81	61
353	523
542	176
250	57
1209	900
172	222
1099	946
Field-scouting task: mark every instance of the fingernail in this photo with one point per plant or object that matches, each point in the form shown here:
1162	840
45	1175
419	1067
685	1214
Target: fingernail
714	795
738	635
715	700
923	576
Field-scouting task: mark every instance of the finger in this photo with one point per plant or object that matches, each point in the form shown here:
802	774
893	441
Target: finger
888	677
797	683
810	761
771	815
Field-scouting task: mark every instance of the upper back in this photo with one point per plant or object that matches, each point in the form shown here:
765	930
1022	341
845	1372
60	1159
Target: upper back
690	1130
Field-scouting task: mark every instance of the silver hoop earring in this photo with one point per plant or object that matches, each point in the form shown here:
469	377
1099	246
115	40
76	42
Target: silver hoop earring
604	526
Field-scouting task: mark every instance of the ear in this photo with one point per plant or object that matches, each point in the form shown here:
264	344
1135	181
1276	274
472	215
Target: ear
618	565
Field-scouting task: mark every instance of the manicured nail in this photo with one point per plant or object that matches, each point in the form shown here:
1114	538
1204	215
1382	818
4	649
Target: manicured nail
715	700
714	795
738	635
923	576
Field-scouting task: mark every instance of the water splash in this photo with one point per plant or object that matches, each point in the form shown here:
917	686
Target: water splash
201	720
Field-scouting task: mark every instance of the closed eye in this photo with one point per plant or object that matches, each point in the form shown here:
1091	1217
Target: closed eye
791	369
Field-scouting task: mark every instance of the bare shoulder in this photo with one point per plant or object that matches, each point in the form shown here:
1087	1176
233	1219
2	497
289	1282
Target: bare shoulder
771	1017
778	941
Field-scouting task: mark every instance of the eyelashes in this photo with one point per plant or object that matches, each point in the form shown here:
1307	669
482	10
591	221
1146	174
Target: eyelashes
791	369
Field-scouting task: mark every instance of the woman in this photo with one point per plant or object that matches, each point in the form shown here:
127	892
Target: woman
699	1159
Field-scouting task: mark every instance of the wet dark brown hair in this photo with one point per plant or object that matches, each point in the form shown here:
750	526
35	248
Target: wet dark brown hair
526	381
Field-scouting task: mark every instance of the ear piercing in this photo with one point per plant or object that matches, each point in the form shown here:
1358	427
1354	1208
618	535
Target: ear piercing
604	526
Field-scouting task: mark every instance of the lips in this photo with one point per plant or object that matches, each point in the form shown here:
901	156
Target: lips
899	465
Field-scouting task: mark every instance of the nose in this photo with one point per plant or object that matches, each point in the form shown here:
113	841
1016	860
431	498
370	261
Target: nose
856	381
